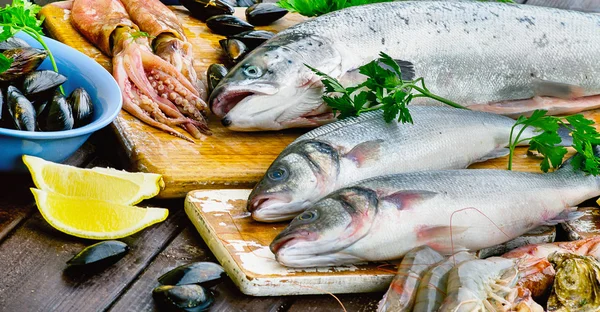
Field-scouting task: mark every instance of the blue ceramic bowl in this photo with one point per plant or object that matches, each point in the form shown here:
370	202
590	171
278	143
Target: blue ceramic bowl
81	71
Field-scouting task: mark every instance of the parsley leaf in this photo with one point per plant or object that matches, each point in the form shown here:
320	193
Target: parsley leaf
583	132
383	89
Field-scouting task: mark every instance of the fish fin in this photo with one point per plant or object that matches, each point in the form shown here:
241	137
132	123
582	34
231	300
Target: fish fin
404	199
525	107
438	237
407	69
364	152
567	215
557	89
497	153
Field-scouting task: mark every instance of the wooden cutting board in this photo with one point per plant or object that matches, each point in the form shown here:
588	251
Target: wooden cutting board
226	159
242	247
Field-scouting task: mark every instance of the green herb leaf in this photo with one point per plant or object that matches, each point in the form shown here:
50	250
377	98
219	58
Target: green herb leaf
141	34
5	63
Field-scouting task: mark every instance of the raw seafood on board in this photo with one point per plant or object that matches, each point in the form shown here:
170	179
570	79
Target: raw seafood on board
153	89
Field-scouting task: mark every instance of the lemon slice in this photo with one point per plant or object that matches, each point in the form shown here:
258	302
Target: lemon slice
94	219
99	183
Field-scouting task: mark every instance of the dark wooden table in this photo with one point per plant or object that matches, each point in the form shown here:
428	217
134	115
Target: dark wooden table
33	255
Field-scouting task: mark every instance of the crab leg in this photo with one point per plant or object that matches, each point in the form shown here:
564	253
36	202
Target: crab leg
106	24
169	40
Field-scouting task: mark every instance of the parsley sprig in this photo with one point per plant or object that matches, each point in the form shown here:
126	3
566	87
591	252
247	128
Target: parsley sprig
21	15
583	133
384	89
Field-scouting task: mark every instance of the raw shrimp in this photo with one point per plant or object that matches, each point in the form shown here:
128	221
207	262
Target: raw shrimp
403	289
487	285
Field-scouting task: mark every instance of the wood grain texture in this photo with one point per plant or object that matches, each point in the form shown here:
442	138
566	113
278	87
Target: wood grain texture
33	262
225	159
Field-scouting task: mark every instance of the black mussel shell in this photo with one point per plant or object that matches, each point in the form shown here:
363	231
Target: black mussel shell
245	3
57	115
82	106
189	298
214	75
205	273
253	38
235	49
264	13
232	3
40	81
25	60
227	25
99	256
203	9
13	43
20	108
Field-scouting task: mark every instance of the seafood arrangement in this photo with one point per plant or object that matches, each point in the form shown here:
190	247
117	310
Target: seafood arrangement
31	99
441	41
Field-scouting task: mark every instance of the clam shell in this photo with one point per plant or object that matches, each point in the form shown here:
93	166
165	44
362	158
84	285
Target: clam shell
25	60
58	115
235	49
20	108
99	255
40	81
206	273
82	107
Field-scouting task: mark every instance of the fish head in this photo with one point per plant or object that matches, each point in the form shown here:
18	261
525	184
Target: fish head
273	89
321	235
303	173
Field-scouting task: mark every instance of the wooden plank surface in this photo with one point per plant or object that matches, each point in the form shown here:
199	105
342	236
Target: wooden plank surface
225	159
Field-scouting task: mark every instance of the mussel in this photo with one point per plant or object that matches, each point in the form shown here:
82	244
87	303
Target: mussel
189	298
99	256
57	115
40	84
13	43
214	74
205	273
82	107
21	109
253	38
227	25
25	60
203	9
264	13
235	49
245	3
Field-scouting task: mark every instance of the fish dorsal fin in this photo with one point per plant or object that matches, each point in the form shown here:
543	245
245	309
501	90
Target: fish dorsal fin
407	69
365	153
405	199
557	89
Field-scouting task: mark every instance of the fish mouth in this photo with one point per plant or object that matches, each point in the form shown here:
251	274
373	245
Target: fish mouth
272	208
287	240
224	98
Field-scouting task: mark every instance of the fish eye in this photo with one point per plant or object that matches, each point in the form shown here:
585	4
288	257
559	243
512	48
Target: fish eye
252	71
277	174
308	216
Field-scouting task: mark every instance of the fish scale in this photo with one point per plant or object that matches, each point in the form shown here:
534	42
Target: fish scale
473	53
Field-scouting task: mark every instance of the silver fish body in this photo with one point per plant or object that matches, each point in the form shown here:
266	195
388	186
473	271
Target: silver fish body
492	56
342	153
383	218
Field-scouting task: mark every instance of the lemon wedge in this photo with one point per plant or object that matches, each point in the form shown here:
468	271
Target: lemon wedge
104	184
94	219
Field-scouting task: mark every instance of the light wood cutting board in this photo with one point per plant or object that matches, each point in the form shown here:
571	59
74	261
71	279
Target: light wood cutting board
225	160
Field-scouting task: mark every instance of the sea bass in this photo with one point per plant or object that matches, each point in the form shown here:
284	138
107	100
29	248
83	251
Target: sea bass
503	58
383	218
345	152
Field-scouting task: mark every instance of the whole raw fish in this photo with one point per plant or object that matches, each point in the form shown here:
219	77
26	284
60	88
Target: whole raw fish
345	152
383	218
497	57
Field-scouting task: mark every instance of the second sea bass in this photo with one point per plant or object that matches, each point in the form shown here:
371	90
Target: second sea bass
452	210
342	153
497	57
